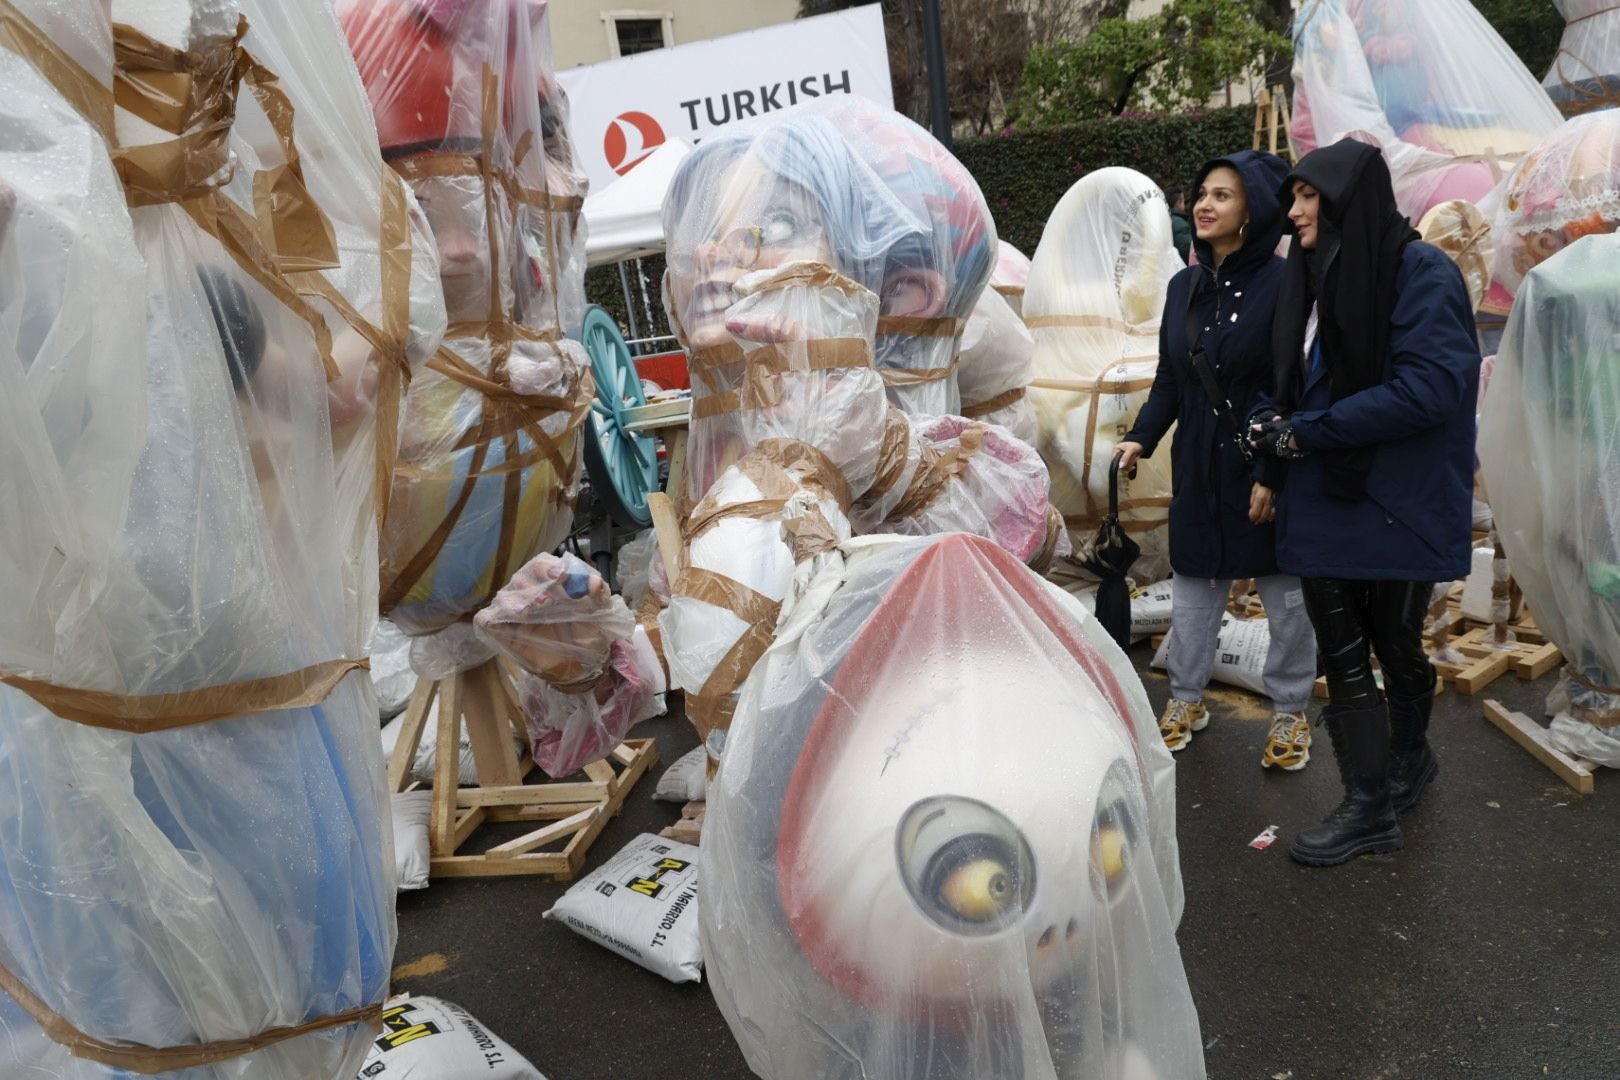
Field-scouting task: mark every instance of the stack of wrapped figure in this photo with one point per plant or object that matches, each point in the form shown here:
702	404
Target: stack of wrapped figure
490	455
1585	75
1093	303
211	294
1431	84
1551	465
874	906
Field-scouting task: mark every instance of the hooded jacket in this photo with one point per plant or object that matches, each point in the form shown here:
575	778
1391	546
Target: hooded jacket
1409	431
1210	532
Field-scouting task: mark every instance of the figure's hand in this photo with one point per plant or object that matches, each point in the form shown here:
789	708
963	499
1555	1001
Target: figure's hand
1262	504
1129	454
1275	437
770	328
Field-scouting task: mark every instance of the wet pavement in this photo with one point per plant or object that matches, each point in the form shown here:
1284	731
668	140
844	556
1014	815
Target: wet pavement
1489	947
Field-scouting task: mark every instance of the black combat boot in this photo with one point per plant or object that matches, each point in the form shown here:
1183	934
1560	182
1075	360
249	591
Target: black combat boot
1411	761
1364	822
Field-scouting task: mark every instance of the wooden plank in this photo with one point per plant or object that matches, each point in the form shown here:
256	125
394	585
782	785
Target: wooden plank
1533	738
446	768
485	706
1482	672
410	735
466	824
545	812
532	794
464	866
601	772
1536	662
646	756
675	445
539	838
667	528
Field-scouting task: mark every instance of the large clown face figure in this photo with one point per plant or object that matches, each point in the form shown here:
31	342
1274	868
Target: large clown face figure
920	865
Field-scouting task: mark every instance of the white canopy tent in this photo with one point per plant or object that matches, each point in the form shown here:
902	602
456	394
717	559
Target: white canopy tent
625	219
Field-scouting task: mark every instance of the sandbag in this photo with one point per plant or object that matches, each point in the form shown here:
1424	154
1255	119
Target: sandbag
686	780
424	1038
642	904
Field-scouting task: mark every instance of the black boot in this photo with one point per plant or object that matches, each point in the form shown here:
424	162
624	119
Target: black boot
1364	822
1411	761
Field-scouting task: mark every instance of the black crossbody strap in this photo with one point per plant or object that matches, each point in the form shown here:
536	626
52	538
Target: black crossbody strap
1212	389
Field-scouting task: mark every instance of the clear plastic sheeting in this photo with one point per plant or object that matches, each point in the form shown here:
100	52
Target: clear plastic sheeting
1567	187
1010	275
1552	464
589	674
996	365
895	888
1460	230
1585	75
187	525
489	451
1430	83
846	184
1093	303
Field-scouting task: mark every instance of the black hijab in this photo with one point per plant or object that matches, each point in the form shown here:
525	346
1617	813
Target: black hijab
1350	275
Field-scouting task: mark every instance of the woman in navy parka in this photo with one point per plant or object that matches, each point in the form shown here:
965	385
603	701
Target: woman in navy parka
1378	371
1221	510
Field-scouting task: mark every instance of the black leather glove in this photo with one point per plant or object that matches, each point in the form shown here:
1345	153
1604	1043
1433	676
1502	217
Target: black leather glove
1272	437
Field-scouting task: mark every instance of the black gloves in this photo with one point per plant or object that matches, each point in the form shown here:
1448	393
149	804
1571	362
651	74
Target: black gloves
1273	437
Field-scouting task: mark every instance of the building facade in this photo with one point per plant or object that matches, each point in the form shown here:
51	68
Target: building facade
589	31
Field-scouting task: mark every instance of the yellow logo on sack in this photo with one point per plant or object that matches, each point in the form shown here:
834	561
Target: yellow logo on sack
399	1028
652	884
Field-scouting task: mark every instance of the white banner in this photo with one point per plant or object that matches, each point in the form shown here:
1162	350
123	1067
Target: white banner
622	110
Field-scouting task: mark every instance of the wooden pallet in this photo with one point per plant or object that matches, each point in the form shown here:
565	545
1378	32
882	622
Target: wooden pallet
576	811
1573	770
1487	661
688	830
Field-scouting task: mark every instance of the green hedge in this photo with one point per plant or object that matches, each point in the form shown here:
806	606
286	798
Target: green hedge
1024	173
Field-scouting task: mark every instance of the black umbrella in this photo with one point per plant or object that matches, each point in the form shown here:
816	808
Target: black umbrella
1112	554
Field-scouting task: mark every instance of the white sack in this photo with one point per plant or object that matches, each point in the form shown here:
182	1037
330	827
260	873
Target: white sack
642	904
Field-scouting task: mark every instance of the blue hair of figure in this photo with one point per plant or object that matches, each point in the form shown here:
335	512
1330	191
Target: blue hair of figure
863	221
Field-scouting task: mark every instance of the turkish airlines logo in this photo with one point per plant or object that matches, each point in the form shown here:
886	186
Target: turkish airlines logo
630	138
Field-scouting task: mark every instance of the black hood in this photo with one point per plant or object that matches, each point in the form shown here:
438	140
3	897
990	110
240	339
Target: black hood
1262	175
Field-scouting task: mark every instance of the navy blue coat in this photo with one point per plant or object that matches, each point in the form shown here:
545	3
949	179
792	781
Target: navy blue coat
1210	532
1416	522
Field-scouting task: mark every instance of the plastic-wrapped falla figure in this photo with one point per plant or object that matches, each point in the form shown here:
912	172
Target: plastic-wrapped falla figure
1093	303
1567	187
942	843
1431	84
489	452
1551	467
1585	75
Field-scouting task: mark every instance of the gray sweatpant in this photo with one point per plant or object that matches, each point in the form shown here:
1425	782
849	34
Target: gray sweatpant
1196	606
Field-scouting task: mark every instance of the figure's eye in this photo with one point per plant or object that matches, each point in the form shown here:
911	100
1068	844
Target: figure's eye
779	228
965	865
1113	840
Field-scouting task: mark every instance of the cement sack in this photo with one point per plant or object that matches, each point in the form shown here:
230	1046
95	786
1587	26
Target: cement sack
1240	653
411	810
424	1038
642	904
1150	606
687	779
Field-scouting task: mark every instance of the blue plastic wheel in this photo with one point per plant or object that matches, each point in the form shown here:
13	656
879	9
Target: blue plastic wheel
623	465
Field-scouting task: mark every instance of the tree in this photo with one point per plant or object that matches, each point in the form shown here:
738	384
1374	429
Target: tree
1532	28
1178	58
986	45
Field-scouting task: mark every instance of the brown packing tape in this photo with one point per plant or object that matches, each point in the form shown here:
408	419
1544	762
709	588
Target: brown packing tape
916	376
512	330
445	165
1581	680
892	456
293	227
812	275
1041	562
1096	387
762	386
1102	322
82	90
809	464
191	95
1000	401
754	609
165	712
920	327
156	1060
938	470
1009	290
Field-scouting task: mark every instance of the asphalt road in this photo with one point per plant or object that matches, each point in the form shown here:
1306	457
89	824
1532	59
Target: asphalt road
1489	947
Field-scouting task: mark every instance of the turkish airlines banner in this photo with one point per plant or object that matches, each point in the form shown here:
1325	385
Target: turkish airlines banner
622	110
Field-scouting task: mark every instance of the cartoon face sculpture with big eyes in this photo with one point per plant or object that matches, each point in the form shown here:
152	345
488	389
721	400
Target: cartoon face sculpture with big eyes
924	867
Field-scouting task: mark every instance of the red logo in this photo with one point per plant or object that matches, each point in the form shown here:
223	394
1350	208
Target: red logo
630	138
